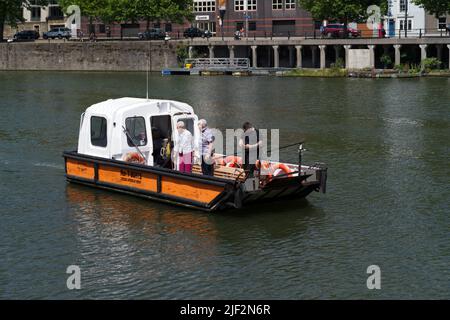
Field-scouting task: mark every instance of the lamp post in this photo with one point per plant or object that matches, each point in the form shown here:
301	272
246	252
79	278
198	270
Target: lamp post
222	11
405	24
246	18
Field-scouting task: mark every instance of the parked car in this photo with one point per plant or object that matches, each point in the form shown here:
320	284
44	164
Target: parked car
153	34
26	35
193	32
336	30
59	33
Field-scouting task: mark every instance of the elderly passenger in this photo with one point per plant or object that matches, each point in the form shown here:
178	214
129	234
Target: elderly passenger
184	147
206	148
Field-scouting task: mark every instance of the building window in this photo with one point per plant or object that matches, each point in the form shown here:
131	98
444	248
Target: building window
168	27
239	25
55	12
136	131
157	25
239	5
442	23
252	26
402	24
101	28
403	5
98	132
290	4
204	6
277	4
35	13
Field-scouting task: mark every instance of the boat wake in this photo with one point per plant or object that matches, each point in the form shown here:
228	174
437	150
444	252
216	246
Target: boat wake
49	165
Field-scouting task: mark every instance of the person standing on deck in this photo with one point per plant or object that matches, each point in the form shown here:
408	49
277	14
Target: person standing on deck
184	147
206	148
251	143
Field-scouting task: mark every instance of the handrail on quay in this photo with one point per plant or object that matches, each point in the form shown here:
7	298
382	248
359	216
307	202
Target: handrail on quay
219	63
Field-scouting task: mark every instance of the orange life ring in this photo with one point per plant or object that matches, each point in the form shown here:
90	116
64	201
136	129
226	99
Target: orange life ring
221	161
233	161
278	167
263	167
134	157
265	164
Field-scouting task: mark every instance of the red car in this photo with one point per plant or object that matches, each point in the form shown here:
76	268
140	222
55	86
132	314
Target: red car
336	30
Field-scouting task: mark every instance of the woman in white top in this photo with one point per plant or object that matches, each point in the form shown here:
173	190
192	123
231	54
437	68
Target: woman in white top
184	147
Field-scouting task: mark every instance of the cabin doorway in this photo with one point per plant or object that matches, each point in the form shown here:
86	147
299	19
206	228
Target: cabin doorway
162	141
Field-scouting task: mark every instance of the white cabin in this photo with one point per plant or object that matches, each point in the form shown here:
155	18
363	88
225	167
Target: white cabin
102	126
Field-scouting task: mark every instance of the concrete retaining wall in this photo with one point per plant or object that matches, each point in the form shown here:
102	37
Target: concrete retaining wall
88	56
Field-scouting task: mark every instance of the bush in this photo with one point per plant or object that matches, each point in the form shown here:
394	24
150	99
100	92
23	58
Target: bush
431	64
414	69
182	54
386	60
339	64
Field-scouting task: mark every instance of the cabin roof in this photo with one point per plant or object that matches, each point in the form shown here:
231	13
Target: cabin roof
112	106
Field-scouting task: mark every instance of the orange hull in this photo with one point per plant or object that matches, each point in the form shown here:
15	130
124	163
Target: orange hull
189	190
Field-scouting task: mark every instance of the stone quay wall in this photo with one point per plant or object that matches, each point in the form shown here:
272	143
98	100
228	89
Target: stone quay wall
88	56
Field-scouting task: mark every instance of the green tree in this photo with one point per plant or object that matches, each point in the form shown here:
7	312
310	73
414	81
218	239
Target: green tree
163	10
93	9
111	11
11	12
343	11
438	8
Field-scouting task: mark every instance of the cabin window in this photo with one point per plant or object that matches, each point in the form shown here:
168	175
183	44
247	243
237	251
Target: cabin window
98	132
136	130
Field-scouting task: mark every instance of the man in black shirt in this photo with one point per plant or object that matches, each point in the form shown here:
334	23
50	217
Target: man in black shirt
251	143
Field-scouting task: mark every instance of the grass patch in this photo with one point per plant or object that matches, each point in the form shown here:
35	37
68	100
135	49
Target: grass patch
325	73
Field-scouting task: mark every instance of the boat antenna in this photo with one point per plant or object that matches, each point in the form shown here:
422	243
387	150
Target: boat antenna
148	68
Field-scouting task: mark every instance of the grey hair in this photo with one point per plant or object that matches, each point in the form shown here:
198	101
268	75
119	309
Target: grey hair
203	123
180	124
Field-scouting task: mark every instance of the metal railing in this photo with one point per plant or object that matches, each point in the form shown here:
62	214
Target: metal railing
219	63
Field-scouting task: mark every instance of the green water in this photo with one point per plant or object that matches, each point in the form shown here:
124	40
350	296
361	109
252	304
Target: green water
386	143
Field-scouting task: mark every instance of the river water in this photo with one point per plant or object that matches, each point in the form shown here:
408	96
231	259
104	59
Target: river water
386	143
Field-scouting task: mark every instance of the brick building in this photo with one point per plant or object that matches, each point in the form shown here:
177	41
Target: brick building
39	18
265	18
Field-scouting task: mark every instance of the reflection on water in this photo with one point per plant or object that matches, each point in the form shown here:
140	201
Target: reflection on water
141	238
385	143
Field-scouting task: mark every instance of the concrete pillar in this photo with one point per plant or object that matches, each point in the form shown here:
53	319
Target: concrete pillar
190	52
397	54
291	56
211	52
231	50
423	51
346	47
337	50
313	52
439	51
323	57
299	56
372	55
448	46
254	56
276	57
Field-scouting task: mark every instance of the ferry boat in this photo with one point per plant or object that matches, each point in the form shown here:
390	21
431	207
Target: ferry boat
116	152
